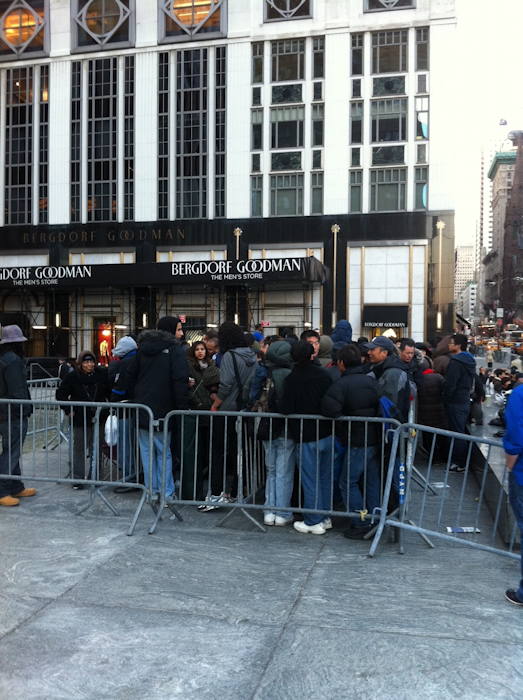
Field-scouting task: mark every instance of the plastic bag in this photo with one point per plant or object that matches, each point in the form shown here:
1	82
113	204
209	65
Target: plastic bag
111	430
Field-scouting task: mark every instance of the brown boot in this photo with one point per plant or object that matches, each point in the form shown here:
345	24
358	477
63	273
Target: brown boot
9	501
26	493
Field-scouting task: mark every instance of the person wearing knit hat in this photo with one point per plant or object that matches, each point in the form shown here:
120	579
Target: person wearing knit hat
13	417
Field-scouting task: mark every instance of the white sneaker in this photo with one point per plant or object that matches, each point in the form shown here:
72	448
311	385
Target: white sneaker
281	522
269	518
318	529
327	524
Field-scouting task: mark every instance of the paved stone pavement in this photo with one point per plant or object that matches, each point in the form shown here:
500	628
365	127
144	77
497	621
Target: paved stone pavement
197	611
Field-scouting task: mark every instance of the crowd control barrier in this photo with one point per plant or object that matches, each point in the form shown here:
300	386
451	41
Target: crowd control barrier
278	464
469	505
85	455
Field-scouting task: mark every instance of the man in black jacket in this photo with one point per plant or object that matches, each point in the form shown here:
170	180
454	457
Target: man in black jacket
459	382
356	395
124	352
158	378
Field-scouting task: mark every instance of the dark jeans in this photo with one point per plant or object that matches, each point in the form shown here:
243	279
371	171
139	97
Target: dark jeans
223	467
13	436
457	415
360	481
81	448
196	458
515	492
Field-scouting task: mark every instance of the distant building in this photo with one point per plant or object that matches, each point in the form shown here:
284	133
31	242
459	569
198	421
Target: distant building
463	268
467	302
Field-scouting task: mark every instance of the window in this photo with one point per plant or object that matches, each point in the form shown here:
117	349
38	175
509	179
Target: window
287	195
355	184
387	189
355	157
23	28
316	160
318	57
317	193
317	91
163	137
380	5
18	146
356	122
100	23
128	181
422	118
256	163
219	132
287	9
423	82
389	51
357	54
256	96
76	141
282	94
192	19
389	120
43	172
257	130
317	125
388	155
257	195
422	48
286	161
422	186
287	127
191	134
421	153
288	60
257	62
356	88
388	86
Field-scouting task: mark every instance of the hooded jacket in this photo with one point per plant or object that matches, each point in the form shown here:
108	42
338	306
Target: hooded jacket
325	353
13	384
430	400
355	394
125	350
342	333
441	356
303	391
459	378
393	384
513	438
80	386
279	364
228	391
157	376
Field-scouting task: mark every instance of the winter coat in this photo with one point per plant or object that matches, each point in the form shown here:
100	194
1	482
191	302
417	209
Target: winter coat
459	379
157	376
355	394
342	333
13	385
228	391
441	355
513	438
80	386
303	391
117	369
393	384
325	353
206	382
431	411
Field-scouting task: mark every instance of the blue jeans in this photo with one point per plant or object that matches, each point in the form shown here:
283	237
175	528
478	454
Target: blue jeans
457	415
156	462
13	435
280	461
515	492
357	461
316	477
126	449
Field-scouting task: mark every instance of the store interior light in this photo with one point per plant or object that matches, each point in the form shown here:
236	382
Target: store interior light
39	328
439	318
144	320
118	327
212	325
58	319
307	324
236	319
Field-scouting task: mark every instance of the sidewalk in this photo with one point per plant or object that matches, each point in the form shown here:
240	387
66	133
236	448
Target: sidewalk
202	612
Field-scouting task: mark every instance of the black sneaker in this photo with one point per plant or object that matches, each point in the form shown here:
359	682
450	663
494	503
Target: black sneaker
357	533
458	469
512	597
78	487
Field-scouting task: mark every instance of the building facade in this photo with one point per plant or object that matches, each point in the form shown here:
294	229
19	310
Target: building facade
161	156
463	268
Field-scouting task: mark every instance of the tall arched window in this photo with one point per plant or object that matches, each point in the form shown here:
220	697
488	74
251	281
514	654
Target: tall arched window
190	19
23	26
103	23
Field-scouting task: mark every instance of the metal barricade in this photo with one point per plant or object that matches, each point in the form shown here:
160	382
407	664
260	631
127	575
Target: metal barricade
281	465
452	487
42	390
95	456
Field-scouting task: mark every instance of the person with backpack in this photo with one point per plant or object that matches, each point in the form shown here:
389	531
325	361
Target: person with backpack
279	447
237	368
13	417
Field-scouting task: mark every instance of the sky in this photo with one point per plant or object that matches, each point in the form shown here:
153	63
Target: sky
490	88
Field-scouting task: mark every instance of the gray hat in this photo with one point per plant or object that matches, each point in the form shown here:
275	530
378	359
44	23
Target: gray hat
124	345
380	341
12	334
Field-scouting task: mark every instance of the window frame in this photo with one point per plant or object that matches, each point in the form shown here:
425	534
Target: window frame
106	45
300	128
403	47
299	190
356	184
402	117
291	17
401	195
195	35
412	6
22	54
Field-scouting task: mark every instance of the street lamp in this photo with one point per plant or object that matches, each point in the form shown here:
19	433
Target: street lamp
335	230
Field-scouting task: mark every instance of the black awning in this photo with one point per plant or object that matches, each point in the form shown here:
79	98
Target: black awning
386	316
210	272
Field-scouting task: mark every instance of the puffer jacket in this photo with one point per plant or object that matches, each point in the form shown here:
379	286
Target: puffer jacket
303	391
431	411
441	356
13	384
394	384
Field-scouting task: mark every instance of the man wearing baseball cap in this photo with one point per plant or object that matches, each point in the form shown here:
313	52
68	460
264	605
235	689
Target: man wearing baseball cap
390	371
13	417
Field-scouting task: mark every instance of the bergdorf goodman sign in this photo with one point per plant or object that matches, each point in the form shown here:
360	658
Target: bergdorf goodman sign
148	274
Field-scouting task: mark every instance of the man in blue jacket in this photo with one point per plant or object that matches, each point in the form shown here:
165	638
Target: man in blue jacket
459	381
513	444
